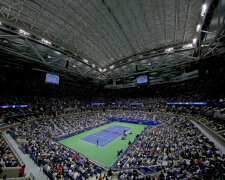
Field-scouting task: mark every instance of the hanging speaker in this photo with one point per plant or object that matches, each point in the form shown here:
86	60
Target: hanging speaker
67	64
136	68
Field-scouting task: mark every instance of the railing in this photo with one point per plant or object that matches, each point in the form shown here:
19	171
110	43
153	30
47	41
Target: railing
212	132
14	151
72	150
135	140
32	176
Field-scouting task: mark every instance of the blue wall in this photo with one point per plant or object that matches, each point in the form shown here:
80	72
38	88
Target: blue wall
144	122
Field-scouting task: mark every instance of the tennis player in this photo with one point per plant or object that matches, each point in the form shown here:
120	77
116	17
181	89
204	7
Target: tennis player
124	132
97	143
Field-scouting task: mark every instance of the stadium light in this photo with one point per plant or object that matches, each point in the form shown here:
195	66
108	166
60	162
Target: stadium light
104	70
49	56
74	66
46	41
85	60
24	32
168	50
198	28
111	67
93	66
194	41
187	46
100	69
204	9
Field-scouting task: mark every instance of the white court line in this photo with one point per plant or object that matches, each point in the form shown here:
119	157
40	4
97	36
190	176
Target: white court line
91	143
114	138
91	136
94	134
97	137
106	134
110	140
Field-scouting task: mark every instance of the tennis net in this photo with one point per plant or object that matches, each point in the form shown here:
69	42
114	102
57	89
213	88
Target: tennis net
113	131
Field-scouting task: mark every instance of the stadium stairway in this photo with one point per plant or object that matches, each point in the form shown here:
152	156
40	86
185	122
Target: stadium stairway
64	121
31	166
211	137
144	117
55	125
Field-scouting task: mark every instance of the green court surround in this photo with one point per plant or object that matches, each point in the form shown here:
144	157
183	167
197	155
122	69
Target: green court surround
108	154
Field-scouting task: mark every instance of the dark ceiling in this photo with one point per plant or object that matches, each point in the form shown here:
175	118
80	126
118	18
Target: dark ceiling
101	40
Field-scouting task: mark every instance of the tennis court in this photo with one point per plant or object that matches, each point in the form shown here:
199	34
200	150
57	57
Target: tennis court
107	154
106	136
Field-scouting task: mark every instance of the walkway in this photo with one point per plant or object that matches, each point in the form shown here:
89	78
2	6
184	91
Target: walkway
217	143
31	166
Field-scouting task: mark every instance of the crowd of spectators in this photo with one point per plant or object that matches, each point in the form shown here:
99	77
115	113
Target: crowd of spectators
215	124
41	105
58	161
78	122
7	158
144	115
175	148
60	126
178	150
215	121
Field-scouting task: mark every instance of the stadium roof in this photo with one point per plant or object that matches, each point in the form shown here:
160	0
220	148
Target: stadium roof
112	39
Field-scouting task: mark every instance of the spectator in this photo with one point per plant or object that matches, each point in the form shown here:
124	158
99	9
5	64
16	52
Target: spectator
22	170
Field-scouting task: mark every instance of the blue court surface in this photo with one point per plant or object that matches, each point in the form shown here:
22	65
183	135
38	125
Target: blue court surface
105	136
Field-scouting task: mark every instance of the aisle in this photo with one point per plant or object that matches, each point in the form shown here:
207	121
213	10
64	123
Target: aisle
217	143
31	166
